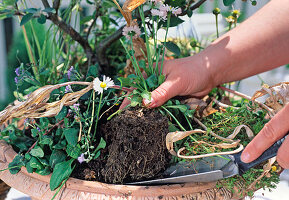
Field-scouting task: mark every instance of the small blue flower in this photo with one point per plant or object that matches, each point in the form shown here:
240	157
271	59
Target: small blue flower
38	129
81	158
17	71
16	80
76	107
68	89
70	72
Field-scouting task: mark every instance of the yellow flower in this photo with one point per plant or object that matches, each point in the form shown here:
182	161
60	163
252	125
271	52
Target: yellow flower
273	168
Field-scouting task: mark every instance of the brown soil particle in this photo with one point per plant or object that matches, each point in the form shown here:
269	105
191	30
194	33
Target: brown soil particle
136	148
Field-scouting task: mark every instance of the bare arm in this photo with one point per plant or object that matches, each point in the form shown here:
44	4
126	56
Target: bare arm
259	44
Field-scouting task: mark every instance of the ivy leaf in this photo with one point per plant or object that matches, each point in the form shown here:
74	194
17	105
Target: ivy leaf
56	157
26	18
228	2
43	172
46	140
41	19
37	152
16	164
73	151
173	48
71	135
35	163
60	173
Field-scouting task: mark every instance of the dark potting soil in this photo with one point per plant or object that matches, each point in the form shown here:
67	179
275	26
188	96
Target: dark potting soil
135	149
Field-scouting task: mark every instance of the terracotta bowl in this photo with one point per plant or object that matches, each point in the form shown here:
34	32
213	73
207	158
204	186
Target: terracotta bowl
37	186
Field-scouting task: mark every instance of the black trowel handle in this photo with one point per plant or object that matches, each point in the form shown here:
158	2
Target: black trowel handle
269	153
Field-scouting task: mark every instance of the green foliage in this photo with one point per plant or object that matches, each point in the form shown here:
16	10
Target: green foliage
61	171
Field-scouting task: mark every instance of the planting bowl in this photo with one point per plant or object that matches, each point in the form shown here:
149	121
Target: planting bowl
37	186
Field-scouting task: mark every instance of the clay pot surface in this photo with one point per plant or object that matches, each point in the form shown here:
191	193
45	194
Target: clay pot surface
37	186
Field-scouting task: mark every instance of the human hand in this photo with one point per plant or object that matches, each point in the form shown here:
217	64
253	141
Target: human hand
274	130
184	76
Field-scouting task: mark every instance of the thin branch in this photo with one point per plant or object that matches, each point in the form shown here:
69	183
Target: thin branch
198	4
271	112
94	20
56	5
45	3
102	46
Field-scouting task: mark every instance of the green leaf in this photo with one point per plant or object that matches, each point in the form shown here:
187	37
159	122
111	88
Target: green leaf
175	21
37	152
41	19
34	132
73	151
146	95
101	145
135	100
43	172
189	12
9	2
93	71
228	2
15	165
46	140
29	168
31	10
182	108
152	81
173	48
71	135
60	173
125	82
49	10
56	157
62	114
26	18
35	163
161	79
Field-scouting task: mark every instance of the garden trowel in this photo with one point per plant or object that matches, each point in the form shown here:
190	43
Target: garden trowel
211	168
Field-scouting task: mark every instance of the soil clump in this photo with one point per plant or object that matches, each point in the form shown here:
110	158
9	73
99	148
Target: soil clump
135	149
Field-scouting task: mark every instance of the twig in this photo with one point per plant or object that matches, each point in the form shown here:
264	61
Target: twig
223	105
56	5
46	133
271	112
58	21
94	20
198	4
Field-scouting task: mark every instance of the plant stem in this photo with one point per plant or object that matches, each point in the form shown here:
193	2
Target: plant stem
97	116
217	26
171	114
146	37
163	57
92	113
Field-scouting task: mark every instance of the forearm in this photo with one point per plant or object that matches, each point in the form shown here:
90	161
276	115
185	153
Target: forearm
259	44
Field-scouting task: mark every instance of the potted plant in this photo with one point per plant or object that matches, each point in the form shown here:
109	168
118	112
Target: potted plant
76	144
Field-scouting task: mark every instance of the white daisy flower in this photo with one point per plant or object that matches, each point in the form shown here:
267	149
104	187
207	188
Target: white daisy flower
99	85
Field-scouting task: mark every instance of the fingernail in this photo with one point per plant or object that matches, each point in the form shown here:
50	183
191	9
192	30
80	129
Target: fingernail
245	157
149	103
